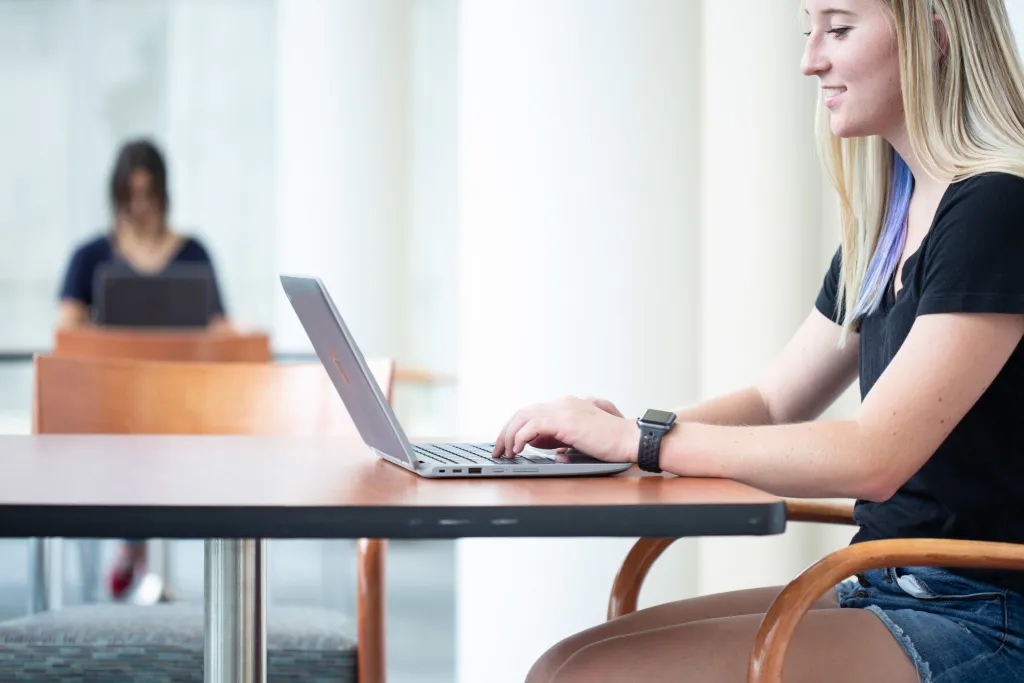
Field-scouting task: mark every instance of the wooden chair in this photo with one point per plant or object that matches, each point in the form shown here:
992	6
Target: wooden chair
137	344
790	606
113	396
87	341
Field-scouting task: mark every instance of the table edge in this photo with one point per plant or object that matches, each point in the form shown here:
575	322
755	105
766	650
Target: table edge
398	522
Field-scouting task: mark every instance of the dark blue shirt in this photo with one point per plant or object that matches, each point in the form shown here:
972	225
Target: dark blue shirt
78	280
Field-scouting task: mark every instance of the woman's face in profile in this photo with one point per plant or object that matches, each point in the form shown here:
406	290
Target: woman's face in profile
143	206
852	49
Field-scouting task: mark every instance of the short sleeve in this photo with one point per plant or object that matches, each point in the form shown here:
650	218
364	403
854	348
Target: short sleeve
78	277
826	301
974	261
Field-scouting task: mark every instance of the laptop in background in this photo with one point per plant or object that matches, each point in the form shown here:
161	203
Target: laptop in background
376	422
179	297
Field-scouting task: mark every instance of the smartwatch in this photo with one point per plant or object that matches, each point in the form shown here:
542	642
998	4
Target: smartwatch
653	426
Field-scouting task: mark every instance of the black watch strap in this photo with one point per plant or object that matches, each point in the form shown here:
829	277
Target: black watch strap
649	457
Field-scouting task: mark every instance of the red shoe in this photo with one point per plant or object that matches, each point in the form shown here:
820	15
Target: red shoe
122	578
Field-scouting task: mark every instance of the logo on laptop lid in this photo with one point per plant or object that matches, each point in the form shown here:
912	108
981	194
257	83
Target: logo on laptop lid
337	364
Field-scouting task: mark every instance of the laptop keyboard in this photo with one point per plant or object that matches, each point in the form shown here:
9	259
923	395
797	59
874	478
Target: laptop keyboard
474	454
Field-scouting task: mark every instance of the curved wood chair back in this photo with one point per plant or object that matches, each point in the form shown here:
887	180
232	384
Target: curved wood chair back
116	396
135	344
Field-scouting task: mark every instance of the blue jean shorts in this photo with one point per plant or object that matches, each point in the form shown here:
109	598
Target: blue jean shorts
954	629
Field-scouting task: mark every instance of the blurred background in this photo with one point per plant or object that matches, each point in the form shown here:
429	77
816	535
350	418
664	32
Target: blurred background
518	198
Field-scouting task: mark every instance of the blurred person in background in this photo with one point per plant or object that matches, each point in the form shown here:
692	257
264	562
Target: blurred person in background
141	239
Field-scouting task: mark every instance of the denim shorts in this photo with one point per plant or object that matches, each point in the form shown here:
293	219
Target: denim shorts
954	629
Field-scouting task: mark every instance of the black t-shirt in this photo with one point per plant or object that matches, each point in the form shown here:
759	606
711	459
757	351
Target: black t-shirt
972	261
78	279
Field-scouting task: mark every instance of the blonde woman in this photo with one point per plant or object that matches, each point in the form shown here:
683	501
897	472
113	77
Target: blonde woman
922	131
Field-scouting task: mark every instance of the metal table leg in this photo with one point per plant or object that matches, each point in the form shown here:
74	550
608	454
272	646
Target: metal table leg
89	568
236	611
45	575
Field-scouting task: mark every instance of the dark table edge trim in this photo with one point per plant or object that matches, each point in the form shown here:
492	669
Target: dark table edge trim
405	522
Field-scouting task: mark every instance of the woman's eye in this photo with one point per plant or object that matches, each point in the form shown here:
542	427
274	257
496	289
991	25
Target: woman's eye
838	32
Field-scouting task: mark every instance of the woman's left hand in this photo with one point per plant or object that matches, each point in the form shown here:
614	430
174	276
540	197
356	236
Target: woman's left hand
570	422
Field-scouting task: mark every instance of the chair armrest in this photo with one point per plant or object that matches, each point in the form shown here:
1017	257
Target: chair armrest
630	579
789	607
370	650
821	511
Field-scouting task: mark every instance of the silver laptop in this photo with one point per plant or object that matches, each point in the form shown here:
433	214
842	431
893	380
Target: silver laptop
376	422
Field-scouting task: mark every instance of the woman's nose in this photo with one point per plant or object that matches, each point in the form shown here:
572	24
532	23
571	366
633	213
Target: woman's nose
813	62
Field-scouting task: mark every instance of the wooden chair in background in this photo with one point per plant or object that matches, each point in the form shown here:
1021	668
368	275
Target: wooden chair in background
112	396
790	606
87	341
138	344
115	396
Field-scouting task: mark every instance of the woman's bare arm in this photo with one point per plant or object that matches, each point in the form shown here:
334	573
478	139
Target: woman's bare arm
72	313
940	371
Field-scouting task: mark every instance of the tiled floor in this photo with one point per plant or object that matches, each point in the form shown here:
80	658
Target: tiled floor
420	575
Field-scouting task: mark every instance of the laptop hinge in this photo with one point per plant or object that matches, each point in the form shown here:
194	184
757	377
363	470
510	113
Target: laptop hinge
391	458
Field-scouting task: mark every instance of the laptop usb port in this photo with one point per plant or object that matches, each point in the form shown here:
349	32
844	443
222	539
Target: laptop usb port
476	470
459	471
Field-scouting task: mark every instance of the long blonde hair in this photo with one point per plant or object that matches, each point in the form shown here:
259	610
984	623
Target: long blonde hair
964	110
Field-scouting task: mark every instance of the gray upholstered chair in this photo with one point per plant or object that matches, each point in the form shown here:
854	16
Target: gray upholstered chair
164	643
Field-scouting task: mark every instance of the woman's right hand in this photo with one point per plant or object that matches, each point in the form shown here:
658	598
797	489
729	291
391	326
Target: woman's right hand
605	405
602	403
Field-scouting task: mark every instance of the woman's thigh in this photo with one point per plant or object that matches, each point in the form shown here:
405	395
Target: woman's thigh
752	601
835	645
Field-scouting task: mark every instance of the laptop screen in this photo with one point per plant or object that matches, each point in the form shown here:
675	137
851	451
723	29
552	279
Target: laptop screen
181	296
344	362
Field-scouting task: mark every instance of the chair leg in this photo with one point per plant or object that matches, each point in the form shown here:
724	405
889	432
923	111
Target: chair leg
160	563
370	649
89	568
45	575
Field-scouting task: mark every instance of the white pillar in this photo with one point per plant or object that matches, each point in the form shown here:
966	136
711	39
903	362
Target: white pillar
342	186
761	238
342	153
578	246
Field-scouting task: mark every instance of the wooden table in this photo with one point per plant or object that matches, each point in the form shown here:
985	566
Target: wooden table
236	491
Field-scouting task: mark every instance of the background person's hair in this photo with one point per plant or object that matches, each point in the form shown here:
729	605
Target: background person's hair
964	105
138	155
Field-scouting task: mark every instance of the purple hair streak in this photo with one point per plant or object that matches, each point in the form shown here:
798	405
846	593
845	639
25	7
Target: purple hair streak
891	241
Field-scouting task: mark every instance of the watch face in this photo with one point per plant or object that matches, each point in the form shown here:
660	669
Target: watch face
659	417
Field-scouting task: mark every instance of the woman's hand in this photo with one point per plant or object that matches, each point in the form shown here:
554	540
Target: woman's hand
594	427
